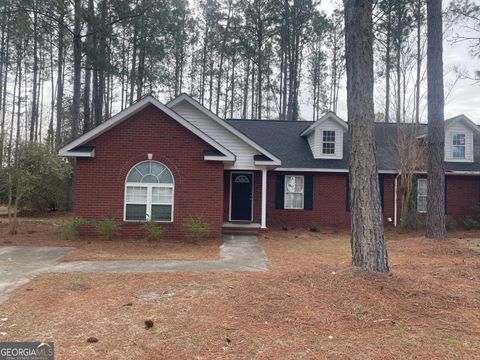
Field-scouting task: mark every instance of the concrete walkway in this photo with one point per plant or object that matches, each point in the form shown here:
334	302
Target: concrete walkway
238	252
18	264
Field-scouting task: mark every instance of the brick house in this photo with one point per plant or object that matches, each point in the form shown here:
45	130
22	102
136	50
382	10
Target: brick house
172	161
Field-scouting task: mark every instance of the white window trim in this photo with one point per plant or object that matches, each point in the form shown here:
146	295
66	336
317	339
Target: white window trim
149	202
418	195
289	192
329	142
464	146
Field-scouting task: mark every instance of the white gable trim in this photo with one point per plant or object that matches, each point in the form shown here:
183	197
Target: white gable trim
223	123
133	109
465	120
326	170
329	115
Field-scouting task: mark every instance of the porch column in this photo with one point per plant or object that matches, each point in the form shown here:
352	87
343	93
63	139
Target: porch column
264	199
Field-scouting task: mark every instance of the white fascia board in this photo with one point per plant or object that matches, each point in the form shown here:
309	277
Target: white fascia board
265	163
467	173
312	170
329	115
133	109
216	158
328	170
453	172
221	122
90	154
459	161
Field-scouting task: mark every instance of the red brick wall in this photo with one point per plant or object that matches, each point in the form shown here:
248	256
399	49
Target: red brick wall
462	193
329	205
100	181
329	202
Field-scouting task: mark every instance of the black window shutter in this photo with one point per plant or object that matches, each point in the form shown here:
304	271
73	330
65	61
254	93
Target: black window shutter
381	184
308	194
347	194
280	192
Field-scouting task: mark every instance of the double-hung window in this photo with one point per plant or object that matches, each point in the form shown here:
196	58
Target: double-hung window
294	192
422	195
458	146
149	193
328	142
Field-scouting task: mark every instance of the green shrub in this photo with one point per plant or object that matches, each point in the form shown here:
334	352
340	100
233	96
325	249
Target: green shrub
39	176
470	224
450	223
70	228
476	207
153	231
195	228
107	228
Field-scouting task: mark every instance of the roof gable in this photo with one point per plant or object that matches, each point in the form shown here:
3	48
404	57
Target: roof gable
238	134
464	120
328	116
71	148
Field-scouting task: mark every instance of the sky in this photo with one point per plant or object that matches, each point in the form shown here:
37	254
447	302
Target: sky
464	94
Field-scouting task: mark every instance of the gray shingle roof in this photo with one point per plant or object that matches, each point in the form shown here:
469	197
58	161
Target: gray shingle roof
282	138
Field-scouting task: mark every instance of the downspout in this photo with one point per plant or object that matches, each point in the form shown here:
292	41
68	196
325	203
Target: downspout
395	201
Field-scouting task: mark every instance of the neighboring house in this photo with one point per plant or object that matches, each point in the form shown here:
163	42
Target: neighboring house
172	161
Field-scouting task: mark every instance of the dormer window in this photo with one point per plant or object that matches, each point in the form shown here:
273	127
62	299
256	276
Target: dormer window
325	137
328	143
458	146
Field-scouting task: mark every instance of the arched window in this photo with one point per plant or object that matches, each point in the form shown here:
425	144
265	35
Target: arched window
149	192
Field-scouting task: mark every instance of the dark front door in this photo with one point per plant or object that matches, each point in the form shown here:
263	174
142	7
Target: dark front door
241	197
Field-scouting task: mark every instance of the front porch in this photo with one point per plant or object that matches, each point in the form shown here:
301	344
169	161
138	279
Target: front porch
245	200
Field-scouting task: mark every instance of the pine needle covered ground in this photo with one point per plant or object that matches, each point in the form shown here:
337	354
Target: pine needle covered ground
309	305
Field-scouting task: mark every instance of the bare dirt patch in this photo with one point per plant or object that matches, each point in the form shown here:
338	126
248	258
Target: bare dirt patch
44	232
310	305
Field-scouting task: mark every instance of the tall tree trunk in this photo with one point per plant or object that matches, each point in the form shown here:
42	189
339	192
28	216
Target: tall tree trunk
419	60
398	59
133	76
204	66
10	140
232	82
122	74
77	70
88	67
60	63
284	95
34	114
53	93
222	55
245	90
102	51
77	75
5	69
368	244
388	61
19	101
436	130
